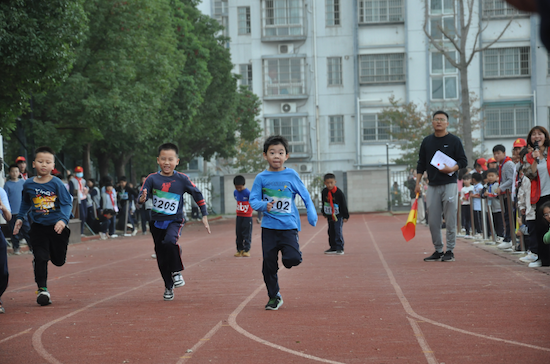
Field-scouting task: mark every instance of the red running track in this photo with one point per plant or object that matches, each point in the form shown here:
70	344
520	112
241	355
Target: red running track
378	303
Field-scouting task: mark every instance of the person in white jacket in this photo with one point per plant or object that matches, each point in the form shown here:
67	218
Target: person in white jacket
528	218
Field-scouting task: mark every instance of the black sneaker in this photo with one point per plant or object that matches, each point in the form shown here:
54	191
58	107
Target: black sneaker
168	294
435	257
43	297
339	252
274	303
330	251
448	257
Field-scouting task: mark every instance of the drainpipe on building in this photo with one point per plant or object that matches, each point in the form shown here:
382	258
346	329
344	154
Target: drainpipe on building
358	159
317	123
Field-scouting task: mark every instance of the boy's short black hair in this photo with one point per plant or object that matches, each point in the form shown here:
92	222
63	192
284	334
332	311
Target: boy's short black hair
239	180
123	179
523	153
462	172
484	174
544	205
467	176
477	177
440	112
44	149
13	166
329	176
276	140
499	148
168	146
492	170
108	184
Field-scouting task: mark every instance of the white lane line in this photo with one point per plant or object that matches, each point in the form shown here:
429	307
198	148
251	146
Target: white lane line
410	311
97	267
37	336
16	335
201	342
233	323
426	350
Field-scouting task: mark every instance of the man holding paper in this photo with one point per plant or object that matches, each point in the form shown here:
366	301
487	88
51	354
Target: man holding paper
441	155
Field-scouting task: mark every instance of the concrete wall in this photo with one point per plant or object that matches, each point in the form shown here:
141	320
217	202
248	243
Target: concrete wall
366	190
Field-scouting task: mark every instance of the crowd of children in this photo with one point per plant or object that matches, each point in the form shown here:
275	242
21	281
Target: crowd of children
507	186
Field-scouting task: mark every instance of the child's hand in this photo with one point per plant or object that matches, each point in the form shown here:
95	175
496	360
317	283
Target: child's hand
17	226
497	190
486	194
143	196
205	223
523	211
345	220
59	226
269	206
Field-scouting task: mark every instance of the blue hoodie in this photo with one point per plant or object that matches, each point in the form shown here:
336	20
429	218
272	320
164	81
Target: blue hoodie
281	189
49	202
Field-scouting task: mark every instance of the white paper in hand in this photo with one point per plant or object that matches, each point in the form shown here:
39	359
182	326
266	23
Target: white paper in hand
440	160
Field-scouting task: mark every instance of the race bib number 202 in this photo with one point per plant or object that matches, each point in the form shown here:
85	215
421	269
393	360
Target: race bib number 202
282	201
165	202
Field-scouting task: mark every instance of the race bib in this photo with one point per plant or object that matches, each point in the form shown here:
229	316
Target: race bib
328	210
165	202
282	200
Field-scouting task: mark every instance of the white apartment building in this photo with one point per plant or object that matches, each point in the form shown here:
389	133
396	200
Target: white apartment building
324	69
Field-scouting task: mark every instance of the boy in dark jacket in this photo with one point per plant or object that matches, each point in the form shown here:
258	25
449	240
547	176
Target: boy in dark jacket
335	209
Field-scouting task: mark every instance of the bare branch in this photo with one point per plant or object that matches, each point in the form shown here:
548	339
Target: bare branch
497	39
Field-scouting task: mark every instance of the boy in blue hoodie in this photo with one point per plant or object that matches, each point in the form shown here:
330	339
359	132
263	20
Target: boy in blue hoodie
273	194
50	206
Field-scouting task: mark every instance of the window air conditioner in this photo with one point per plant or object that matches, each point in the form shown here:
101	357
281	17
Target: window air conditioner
286	48
288	107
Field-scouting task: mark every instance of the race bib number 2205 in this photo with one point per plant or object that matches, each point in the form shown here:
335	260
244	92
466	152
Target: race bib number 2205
165	202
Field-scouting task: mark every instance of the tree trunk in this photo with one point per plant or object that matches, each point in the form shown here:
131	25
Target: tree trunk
86	161
466	115
120	164
103	161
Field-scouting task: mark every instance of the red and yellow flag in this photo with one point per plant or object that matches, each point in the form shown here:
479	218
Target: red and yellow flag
409	230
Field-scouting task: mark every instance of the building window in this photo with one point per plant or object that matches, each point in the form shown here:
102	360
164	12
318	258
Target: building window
282	18
336	124
334	69
380	11
444	77
245	71
293	129
382	68
506	62
498	8
507	121
375	129
221	15
442	7
244	19
332	10
284	76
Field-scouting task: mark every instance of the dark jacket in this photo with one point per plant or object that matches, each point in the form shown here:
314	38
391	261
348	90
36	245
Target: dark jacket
339	202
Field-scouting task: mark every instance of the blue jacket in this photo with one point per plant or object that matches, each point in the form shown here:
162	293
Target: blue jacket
281	188
49	202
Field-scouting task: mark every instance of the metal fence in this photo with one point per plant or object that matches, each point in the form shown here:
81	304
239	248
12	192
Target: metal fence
399	189
204	184
314	184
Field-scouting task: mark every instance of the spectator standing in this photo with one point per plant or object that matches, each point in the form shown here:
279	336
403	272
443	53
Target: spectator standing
537	169
243	222
442	187
79	189
109	201
4	273
14	190
506	170
494	201
22	165
528	216
465	192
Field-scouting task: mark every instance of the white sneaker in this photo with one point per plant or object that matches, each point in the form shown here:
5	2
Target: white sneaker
178	279
506	245
103	236
134	232
535	264
114	236
154	256
529	258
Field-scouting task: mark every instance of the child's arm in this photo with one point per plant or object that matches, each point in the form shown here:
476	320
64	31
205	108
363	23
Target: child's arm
256	196
344	207
66	206
143	196
304	194
23	210
5	205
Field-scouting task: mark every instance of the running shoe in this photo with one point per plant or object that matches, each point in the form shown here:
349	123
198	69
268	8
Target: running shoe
435	257
177	279
168	294
448	256
274	303
43	297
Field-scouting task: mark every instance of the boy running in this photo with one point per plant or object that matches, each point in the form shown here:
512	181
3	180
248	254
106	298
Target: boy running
166	189
273	194
50	204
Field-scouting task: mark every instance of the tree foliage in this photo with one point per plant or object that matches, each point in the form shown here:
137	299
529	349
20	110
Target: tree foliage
37	50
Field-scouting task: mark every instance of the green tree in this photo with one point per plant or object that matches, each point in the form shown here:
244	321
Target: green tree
249	158
111	104
37	50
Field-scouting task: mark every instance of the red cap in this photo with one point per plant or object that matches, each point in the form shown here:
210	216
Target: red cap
519	143
78	169
20	159
55	171
483	163
491	160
